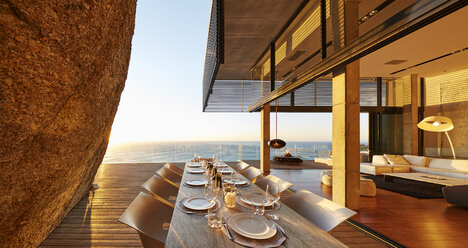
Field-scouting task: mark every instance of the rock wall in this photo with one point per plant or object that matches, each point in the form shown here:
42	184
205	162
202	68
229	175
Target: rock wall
63	65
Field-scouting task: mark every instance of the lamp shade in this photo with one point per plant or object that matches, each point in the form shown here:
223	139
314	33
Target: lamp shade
436	124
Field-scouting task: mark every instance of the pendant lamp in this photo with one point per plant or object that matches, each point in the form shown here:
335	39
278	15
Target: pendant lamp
276	143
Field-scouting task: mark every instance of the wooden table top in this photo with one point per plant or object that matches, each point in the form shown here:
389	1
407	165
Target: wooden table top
193	231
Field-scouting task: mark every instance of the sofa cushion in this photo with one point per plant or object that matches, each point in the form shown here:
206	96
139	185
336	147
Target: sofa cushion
396	159
368	168
416	160
449	164
400	168
379	160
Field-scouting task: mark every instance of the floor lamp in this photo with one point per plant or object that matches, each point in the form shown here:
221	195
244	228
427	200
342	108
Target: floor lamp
438	124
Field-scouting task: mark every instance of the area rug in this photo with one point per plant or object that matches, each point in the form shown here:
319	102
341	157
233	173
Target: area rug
307	164
409	187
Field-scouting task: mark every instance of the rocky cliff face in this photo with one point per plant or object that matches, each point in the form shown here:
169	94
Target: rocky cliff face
63	66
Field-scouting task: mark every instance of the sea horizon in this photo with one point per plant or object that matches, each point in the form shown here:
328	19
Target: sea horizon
181	151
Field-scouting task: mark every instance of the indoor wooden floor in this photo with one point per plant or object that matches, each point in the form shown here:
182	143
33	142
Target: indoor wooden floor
410	221
407	220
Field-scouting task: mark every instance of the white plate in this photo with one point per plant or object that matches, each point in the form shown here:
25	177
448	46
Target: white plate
196	171
252	226
198	203
221	165
196	182
256	200
194	165
238	182
226	171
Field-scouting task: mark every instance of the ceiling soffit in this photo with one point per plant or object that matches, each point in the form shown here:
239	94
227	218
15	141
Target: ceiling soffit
250	26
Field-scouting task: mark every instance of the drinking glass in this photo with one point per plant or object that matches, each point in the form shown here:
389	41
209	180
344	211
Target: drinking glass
210	192
272	194
234	176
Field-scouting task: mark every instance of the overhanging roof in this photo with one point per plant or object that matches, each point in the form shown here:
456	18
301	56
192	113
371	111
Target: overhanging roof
249	27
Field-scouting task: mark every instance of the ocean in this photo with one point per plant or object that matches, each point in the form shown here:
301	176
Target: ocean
151	152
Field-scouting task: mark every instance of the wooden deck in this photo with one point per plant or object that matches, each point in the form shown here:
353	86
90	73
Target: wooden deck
93	222
407	220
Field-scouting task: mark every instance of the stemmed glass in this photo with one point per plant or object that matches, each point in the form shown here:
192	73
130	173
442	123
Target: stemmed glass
272	194
210	192
258	209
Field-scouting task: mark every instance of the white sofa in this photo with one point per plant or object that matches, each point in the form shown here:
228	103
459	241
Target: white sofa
380	165
436	166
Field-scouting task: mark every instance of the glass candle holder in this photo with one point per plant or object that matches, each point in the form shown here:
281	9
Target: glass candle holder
229	195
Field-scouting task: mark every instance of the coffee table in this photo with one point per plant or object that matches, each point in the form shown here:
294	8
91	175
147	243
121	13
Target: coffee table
427	178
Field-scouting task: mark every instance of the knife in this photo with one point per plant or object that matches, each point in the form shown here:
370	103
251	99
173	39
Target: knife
228	232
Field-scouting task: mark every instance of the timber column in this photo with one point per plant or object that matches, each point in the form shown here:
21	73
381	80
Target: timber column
414	114
346	143
264	138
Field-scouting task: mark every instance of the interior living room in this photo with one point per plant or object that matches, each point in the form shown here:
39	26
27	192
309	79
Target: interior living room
409	61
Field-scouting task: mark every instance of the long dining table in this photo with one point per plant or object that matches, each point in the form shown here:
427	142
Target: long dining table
190	230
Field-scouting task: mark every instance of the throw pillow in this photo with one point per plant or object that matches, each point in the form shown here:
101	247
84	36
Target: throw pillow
416	160
379	160
396	159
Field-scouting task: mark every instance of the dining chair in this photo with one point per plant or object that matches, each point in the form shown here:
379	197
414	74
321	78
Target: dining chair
318	210
179	171
240	166
273	181
170	176
150	218
161	189
251	173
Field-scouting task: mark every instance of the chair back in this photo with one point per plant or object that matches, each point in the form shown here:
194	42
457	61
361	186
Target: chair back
251	173
150	217
273	182
240	166
160	188
318	210
179	171
170	176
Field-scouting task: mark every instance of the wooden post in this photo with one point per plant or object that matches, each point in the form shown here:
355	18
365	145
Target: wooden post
345	140
414	114
264	138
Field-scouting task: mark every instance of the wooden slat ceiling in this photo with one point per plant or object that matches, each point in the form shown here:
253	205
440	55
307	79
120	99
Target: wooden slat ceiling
250	26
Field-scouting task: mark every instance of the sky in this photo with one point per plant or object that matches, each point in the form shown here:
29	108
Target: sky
162	99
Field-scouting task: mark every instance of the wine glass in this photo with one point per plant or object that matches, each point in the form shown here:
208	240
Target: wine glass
258	208
235	178
272	194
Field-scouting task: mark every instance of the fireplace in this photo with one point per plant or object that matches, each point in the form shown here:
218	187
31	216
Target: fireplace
287	158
